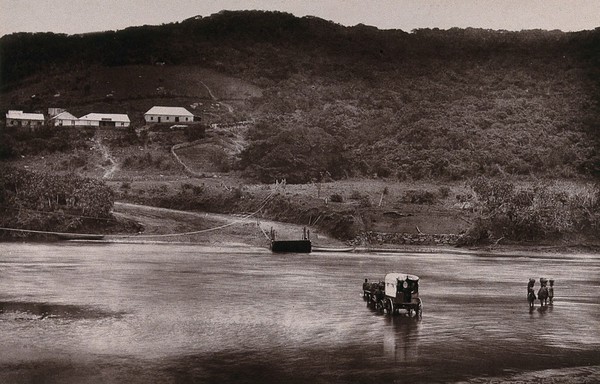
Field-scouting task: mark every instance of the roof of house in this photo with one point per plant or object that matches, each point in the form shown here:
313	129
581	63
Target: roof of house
64	115
117	117
24	116
171	111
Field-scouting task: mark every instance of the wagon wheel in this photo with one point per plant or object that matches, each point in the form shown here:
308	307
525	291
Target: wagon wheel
390	306
420	308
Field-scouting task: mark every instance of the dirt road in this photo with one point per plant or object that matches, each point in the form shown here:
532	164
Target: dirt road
210	228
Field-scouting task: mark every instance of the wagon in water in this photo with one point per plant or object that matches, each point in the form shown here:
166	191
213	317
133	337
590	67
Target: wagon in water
398	291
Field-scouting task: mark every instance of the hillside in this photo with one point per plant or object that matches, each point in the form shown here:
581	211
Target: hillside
322	103
426	105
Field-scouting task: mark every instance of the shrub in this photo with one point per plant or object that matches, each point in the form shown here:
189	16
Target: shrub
355	195
444	192
535	213
419	197
43	198
383	171
336	198
198	189
365	202
478	233
195	132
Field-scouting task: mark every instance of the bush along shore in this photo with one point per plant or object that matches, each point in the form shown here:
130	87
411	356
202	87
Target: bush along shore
541	212
55	203
498	212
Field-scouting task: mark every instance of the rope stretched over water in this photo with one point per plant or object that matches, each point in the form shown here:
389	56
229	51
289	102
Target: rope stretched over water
49	232
245	218
265	201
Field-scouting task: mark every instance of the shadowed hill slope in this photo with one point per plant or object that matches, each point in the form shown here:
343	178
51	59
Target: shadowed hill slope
351	101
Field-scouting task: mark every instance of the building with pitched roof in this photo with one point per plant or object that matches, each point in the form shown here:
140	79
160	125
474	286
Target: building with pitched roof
23	119
64	119
104	120
159	114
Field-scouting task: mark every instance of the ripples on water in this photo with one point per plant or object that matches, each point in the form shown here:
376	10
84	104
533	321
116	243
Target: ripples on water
157	313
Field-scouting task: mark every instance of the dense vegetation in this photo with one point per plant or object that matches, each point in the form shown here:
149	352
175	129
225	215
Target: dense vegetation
46	139
357	101
38	201
543	211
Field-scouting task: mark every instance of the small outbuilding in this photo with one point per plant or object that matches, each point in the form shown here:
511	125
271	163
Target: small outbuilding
53	111
168	115
23	119
104	120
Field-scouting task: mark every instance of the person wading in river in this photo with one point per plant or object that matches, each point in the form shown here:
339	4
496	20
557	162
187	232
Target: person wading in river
530	293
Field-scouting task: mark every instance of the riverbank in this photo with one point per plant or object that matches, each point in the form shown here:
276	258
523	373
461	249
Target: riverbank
169	225
155	225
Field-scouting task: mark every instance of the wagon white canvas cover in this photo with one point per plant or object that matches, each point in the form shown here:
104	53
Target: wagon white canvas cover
391	282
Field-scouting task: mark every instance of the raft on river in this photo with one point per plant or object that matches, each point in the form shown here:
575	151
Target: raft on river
291	246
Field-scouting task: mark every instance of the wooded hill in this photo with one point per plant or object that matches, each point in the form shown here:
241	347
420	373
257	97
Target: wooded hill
358	101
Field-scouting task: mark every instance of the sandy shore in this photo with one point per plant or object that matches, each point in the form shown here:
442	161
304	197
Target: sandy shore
161	224
174	226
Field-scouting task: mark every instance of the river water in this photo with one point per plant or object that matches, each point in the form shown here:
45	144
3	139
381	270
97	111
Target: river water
157	313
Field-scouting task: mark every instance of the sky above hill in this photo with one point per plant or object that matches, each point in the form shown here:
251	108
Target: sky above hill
80	16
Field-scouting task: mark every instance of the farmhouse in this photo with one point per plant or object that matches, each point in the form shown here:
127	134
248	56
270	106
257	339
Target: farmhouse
104	120
168	115
23	119
64	119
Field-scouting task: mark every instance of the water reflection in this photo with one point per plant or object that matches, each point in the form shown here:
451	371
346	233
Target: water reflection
164	313
400	338
41	311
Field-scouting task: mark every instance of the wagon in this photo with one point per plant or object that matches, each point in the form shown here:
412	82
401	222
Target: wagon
400	291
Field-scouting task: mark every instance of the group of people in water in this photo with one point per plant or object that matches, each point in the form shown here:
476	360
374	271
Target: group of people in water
544	294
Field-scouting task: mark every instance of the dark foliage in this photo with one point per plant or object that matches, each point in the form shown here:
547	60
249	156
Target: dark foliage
298	155
431	104
419	197
195	132
539	212
45	140
38	201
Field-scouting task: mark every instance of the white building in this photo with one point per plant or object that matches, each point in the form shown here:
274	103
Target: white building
23	119
64	119
168	115
104	120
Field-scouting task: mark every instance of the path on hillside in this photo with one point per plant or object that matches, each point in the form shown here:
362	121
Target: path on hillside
106	156
178	159
238	142
212	95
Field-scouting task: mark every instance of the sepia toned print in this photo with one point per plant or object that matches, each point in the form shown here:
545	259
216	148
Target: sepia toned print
294	192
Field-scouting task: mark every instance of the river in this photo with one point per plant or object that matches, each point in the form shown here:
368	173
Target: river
169	313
